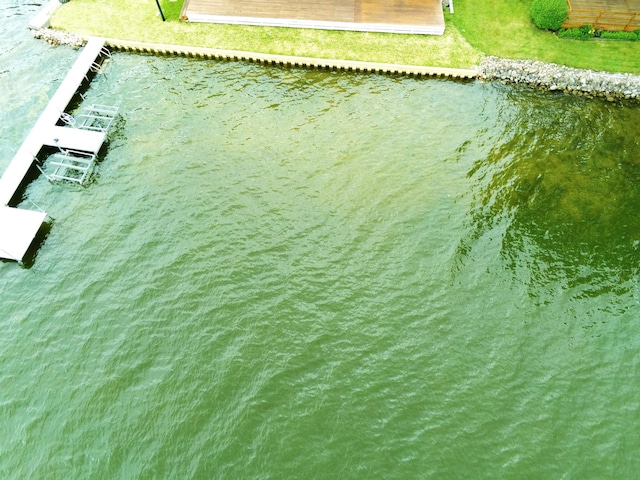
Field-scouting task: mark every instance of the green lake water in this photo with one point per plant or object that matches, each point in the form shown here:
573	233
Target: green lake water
280	273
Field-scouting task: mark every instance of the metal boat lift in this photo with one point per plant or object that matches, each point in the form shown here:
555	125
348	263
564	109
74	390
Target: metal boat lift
71	165
95	117
85	132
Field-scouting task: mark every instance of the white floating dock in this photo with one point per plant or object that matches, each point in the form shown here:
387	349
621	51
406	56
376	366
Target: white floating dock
74	138
19	227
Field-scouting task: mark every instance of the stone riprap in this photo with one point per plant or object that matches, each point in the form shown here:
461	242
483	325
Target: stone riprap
612	86
56	37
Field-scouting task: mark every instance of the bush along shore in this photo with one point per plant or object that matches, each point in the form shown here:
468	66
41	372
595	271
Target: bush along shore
612	86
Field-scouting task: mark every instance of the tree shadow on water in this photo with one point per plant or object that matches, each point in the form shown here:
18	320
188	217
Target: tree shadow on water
562	191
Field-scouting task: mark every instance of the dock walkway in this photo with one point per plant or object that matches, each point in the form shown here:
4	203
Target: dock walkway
19	227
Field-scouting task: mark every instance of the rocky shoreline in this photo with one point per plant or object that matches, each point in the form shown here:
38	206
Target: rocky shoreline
56	37
549	76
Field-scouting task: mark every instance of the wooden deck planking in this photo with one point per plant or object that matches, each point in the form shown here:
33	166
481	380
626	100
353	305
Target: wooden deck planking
605	14
611	5
402	16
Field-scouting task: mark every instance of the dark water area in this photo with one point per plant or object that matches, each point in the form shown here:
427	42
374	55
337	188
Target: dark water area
283	273
566	193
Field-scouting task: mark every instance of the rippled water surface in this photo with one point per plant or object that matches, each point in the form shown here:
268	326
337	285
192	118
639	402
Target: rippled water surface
285	273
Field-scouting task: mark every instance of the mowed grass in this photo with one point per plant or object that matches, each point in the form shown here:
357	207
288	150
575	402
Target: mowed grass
478	27
139	20
504	28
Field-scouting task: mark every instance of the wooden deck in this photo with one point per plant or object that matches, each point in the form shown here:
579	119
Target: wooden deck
604	14
396	16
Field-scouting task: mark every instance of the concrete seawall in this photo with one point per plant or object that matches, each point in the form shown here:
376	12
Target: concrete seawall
290	61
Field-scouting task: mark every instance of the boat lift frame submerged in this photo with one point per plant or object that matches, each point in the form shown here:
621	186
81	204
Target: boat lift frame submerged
75	164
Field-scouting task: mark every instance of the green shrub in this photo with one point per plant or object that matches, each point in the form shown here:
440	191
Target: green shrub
585	32
622	35
549	14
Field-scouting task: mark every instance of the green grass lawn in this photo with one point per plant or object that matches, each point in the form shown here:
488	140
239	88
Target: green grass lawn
478	27
504	28
140	20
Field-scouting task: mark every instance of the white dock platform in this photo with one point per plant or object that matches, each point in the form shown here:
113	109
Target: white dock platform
73	138
17	227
